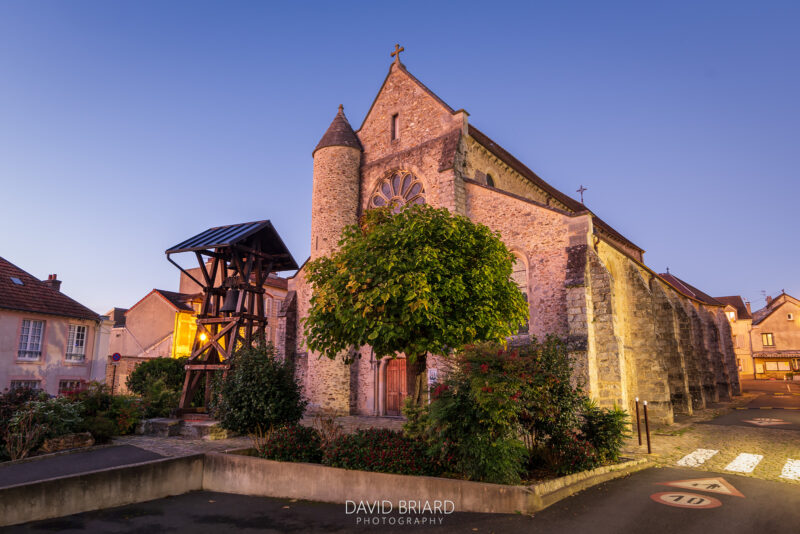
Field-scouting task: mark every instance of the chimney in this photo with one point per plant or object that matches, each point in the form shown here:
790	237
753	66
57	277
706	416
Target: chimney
769	300
53	281
747	305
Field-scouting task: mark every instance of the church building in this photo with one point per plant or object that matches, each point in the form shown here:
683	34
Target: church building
632	332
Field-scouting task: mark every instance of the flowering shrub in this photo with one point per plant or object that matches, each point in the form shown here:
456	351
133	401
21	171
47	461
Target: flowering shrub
290	443
381	450
496	395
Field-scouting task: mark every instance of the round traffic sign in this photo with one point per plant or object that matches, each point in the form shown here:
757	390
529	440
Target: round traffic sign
680	499
116	357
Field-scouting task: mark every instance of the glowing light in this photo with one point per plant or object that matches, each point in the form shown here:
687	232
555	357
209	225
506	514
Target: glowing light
203	337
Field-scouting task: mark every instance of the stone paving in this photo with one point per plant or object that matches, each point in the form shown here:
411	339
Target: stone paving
672	443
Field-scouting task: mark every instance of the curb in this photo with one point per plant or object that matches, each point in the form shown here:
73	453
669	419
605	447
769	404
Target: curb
552	491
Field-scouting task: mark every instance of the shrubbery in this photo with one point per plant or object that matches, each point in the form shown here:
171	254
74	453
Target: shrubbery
495	399
28	417
381	450
289	443
259	391
159	382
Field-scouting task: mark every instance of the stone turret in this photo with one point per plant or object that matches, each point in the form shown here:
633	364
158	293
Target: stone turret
334	205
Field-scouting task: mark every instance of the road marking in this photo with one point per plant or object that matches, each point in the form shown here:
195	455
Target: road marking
766	421
744	408
766	407
791	470
685	500
744	463
697	457
712	485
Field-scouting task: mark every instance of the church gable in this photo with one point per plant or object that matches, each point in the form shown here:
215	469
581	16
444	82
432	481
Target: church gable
404	115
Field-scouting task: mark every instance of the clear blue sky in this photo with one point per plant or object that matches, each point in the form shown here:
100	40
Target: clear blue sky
119	120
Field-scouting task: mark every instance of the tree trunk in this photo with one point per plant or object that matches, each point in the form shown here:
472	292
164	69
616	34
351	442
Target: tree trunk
419	372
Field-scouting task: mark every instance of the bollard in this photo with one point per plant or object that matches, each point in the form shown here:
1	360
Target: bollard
638	423
647	428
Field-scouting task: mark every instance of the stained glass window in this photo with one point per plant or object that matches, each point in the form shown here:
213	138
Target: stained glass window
398	189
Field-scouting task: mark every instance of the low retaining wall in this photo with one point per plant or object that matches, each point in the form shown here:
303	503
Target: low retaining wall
104	488
248	475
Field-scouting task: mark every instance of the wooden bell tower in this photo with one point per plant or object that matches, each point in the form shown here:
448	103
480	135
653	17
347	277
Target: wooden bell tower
235	261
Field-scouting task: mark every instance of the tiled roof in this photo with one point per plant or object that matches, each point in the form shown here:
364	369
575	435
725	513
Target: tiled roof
118	316
737	302
339	133
570	203
33	295
772	306
689	290
182	301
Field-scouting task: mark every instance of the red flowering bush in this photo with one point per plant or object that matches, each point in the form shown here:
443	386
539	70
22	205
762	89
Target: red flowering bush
290	443
381	450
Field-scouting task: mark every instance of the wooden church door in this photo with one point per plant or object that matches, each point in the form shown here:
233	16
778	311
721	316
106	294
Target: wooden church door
395	386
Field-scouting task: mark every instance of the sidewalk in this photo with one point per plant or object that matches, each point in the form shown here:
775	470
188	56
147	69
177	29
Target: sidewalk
57	465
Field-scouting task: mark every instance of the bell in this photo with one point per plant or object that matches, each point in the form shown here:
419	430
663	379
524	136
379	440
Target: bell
231	297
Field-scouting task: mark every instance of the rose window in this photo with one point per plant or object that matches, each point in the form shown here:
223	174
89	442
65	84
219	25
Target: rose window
397	190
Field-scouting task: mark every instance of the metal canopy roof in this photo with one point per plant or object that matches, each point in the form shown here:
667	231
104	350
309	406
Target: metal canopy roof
246	234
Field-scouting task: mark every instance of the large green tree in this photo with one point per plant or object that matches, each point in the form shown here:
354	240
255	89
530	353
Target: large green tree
418	281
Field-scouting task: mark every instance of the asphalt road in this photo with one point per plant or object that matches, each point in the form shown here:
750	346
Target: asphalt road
73	463
625	505
772	393
760	418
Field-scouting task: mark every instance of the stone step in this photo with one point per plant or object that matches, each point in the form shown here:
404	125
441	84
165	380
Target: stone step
160	426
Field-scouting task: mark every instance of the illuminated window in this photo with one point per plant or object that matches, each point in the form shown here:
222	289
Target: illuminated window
731	315
767	340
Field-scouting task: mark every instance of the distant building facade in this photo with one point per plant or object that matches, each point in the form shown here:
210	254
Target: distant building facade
48	341
163	325
738	313
775	337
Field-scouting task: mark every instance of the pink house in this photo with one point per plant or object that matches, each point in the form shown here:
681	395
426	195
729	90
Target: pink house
47	340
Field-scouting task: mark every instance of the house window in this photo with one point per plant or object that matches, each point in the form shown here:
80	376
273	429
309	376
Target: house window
739	363
395	126
489	180
69	386
520	277
731	315
30	384
76	343
734	342
767	340
771	366
30	340
790	316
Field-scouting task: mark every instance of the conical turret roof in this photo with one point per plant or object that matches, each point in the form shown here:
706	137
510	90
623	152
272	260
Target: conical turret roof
339	133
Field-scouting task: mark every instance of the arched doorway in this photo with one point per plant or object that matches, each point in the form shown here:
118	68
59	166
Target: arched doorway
396	386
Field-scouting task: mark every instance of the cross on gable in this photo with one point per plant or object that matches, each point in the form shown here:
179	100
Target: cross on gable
581	190
396	53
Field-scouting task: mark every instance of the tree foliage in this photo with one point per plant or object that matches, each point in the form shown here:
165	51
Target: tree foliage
418	281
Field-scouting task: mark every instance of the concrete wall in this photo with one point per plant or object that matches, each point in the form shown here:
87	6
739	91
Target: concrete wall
52	366
106	488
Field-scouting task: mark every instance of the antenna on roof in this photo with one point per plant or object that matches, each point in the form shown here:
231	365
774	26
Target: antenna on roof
667	270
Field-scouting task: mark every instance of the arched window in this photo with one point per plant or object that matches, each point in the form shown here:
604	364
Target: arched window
398	189
489	180
520	277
